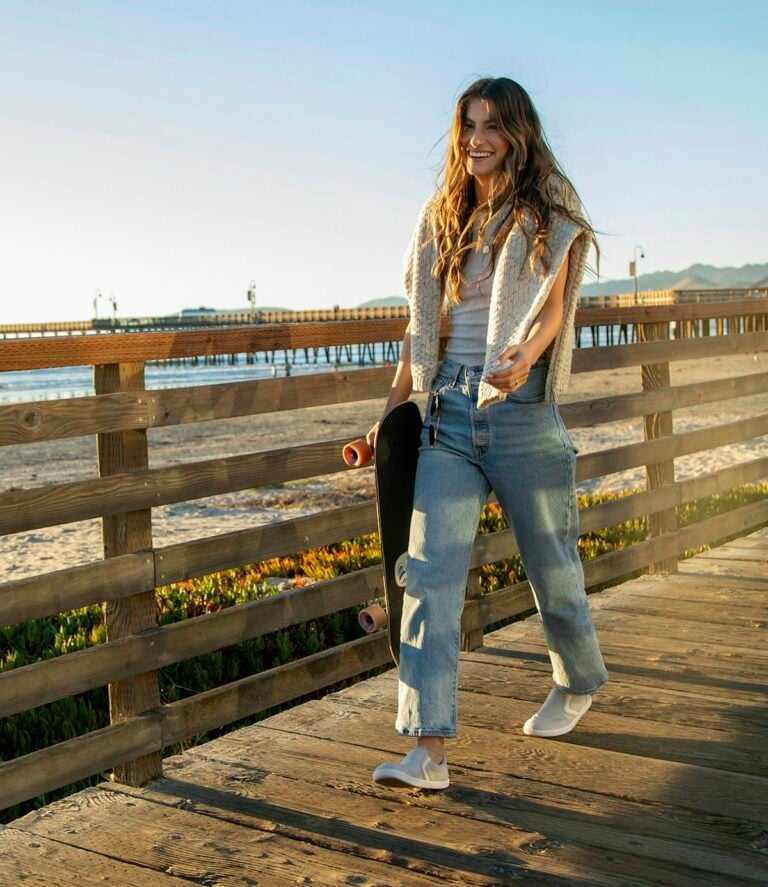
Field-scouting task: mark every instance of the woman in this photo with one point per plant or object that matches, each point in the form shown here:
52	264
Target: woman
501	247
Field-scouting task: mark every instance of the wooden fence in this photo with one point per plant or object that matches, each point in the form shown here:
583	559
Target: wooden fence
126	490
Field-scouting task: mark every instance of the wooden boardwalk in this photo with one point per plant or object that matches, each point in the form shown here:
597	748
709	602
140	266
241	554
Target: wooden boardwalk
663	782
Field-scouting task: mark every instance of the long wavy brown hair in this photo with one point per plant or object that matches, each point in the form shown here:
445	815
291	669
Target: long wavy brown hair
530	179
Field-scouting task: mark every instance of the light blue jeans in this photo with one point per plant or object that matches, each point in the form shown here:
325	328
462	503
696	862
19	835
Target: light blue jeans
520	449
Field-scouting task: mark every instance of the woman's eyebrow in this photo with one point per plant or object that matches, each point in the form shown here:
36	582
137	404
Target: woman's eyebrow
489	120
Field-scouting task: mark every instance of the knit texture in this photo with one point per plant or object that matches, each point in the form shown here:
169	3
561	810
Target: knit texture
516	298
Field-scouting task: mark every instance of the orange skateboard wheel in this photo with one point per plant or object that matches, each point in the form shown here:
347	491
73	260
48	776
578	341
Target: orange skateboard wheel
372	618
357	453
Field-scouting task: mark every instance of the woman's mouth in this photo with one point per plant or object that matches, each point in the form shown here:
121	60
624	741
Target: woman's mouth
479	155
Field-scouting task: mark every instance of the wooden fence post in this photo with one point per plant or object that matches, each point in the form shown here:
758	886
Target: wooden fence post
658	474
471	640
119	452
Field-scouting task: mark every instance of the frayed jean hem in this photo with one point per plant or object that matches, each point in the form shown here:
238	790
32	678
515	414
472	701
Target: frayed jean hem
584	692
425	731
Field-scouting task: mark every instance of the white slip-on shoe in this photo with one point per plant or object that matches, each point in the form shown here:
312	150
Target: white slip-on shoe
559	714
417	769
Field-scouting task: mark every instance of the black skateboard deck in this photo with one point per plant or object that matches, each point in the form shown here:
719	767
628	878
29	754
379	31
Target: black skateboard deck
396	454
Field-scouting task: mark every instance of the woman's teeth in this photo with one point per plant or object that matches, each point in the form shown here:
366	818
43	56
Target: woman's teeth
479	156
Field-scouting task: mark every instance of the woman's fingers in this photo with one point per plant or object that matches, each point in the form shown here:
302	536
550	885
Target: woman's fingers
371	436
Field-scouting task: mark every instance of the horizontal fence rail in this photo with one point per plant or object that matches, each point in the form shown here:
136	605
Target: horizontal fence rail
126	491
54	351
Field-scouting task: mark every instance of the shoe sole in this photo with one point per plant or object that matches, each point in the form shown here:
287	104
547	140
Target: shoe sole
409	781
556	731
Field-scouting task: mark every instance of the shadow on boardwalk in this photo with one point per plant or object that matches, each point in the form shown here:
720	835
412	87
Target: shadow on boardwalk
663	782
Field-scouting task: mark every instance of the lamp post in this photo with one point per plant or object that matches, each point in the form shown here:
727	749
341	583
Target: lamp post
96	299
113	303
633	266
252	300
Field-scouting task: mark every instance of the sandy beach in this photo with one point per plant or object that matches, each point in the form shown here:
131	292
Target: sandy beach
35	465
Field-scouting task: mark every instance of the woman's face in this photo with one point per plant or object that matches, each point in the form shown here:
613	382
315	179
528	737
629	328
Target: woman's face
483	145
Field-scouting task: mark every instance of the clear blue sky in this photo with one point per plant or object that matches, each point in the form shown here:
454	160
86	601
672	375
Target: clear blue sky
168	153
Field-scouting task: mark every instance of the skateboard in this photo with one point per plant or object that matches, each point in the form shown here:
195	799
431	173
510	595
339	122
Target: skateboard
397	451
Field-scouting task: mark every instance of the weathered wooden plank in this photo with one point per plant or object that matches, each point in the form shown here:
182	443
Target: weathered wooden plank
614	512
72	417
758	555
80	500
41	682
586	360
734	647
489	795
712	671
692	611
255	693
489	694
457	847
655	377
637	695
650	628
125	533
39	862
604	462
466	845
722	592
176	406
615	774
749	542
627	406
50	768
640	554
746	571
675	311
50	351
67	589
187	559
73	587
212	851
97	414
56	351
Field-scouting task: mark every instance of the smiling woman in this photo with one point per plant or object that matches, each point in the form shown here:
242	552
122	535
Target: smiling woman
502	246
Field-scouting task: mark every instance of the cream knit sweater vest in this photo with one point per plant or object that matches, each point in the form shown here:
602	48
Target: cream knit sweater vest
516	299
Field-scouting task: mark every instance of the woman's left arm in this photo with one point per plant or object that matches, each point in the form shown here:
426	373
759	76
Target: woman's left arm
543	331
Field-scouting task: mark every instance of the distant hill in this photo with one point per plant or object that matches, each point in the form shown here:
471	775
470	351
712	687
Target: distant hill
694	277
692	283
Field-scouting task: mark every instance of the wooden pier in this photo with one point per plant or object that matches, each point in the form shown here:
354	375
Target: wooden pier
663	782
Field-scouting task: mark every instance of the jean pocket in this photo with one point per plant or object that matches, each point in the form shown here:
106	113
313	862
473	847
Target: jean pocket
532	390
565	436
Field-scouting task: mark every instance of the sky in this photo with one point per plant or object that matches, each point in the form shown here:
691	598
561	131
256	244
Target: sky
168	154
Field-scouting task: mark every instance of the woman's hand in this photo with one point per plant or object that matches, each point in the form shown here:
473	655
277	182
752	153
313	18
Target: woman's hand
371	436
520	360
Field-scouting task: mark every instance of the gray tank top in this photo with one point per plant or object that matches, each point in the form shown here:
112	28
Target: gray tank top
469	319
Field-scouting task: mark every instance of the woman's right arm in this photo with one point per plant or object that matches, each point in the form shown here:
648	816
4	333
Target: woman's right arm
402	384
